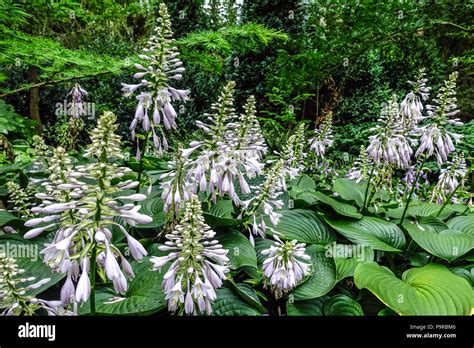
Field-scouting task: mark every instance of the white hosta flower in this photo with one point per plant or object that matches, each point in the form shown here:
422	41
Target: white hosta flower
389	145
14	291
293	153
265	201
231	150
76	109
174	183
411	108
361	168
436	136
20	199
323	137
198	263
155	111
83	212
449	179
284	266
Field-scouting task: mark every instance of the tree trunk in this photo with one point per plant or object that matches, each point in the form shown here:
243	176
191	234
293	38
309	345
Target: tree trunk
34	99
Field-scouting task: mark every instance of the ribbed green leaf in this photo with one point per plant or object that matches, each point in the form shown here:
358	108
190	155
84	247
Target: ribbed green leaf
370	231
323	278
349	190
241	252
429	290
463	223
230	304
339	207
448	244
342	305
303	225
312	307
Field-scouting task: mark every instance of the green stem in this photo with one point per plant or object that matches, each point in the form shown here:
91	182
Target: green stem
92	277
140	166
418	173
448	199
368	185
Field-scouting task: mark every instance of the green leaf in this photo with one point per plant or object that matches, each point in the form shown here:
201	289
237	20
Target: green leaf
429	290
228	303
342	305
420	209
349	190
463	223
448	244
303	225
348	256
305	308
144	294
241	252
322	279
370	231
6	217
221	215
339	207
304	182
153	206
249	296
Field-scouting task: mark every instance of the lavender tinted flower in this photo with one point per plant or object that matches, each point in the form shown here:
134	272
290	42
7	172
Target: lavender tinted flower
155	111
231	151
411	107
265	201
76	110
436	138
361	168
450	177
284	266
323	137
81	203
388	144
199	264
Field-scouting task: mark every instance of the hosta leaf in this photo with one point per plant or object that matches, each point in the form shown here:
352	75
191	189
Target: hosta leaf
339	207
370	231
153	206
228	303
349	190
323	278
348	256
241	252
303	225
221	214
447	244
249	296
144	294
342	305
429	290
419	209
463	223
6	217
304	182
309	307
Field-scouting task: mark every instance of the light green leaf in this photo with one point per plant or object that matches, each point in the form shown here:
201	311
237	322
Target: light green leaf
153	207
370	231
348	256
447	244
429	290
339	207
349	190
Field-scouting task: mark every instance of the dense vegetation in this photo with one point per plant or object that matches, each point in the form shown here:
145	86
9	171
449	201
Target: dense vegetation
236	158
